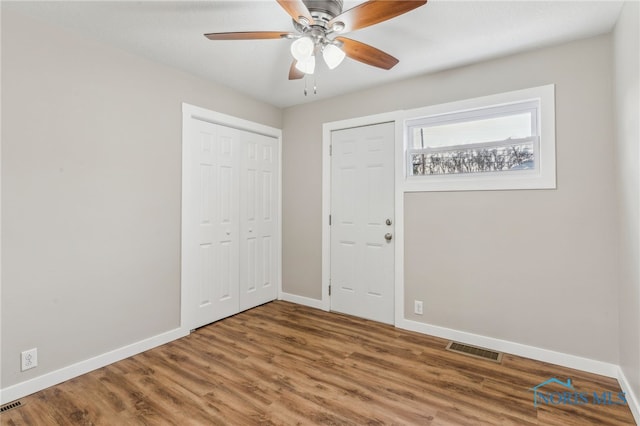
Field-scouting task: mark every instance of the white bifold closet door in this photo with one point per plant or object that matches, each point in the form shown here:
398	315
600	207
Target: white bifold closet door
230	221
258	222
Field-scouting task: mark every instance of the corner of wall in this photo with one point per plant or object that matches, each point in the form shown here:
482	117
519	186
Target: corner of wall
626	88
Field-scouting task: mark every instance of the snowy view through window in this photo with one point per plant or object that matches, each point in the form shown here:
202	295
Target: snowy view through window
477	142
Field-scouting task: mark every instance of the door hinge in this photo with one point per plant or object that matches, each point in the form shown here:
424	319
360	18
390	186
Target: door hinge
329	220
330	150
329	289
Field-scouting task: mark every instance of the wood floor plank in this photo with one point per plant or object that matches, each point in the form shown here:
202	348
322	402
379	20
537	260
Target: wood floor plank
286	364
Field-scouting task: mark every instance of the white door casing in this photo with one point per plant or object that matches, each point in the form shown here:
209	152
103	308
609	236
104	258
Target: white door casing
230	216
362	215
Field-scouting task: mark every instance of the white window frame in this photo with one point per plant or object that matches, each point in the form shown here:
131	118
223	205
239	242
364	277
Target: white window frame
543	176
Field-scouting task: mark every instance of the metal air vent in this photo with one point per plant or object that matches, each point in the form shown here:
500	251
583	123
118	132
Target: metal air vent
10	406
475	351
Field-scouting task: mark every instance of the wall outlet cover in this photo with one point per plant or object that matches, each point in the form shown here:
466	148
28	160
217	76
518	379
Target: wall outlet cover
29	359
417	307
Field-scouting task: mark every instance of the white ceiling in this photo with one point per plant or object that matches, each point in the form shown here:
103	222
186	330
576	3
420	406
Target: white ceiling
442	34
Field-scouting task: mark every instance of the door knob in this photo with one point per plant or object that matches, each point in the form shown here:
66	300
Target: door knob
388	236
388	222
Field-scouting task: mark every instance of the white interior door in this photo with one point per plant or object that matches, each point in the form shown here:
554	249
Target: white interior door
215	254
258	218
362	221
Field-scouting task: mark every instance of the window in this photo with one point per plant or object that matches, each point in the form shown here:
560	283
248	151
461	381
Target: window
498	142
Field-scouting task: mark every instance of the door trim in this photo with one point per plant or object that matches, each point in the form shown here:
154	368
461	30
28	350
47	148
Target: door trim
190	112
327	128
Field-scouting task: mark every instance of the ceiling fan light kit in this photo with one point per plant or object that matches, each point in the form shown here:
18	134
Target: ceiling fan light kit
302	48
319	25
313	41
307	65
333	55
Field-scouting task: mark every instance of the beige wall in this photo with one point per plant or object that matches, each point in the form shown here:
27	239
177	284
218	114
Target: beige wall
533	267
626	44
91	163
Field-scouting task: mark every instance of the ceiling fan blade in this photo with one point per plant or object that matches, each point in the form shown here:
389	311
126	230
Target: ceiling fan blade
295	73
373	12
296	9
247	35
367	54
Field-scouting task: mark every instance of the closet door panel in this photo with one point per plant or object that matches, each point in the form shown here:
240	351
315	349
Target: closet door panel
227	227
203	221
212	252
259	225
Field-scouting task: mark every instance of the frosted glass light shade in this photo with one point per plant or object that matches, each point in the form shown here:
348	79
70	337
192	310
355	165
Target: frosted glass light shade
307	66
333	55
302	48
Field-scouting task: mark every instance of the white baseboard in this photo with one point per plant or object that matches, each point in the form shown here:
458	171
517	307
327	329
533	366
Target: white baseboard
632	398
36	384
545	355
301	300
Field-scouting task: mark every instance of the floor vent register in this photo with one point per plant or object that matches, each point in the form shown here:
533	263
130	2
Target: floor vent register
475	351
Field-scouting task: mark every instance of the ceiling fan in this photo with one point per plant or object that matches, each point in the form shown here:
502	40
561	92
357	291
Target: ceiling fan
318	27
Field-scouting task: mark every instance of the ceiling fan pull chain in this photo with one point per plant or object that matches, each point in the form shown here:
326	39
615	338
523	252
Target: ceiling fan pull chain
305	85
315	88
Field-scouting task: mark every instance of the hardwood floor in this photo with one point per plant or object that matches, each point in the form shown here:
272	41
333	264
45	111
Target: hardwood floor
283	363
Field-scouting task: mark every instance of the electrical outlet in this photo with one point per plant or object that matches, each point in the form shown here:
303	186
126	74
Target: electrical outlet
417	307
29	359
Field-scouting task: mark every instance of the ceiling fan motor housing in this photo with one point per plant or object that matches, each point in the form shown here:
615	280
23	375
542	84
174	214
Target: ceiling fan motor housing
323	11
